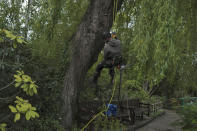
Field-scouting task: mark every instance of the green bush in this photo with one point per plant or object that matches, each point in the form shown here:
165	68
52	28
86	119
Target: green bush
105	124
189	117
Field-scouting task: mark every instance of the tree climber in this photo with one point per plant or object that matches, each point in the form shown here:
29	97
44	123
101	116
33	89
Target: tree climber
112	56
113	35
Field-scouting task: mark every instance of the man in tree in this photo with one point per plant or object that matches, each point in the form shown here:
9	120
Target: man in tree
112	56
113	35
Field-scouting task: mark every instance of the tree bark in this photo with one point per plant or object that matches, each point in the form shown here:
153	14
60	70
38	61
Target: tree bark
194	25
86	45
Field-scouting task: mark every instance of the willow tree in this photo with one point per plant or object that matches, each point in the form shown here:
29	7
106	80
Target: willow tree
160	36
85	45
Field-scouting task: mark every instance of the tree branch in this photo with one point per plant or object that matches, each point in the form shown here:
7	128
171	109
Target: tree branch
6	86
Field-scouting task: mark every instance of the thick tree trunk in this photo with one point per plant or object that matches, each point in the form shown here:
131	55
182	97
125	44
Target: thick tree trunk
194	25
86	45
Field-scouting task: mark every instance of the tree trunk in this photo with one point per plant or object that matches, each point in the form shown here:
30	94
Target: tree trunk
86	45
27	17
193	25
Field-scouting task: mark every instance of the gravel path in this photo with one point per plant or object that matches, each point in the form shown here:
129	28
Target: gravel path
163	123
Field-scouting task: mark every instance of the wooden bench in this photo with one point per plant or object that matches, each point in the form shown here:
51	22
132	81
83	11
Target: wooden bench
90	108
156	106
136	108
127	110
122	113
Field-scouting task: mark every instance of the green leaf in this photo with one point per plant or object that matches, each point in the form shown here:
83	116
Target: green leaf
19	41
12	108
28	115
9	34
24	107
32	85
17	78
25	101
36	86
17	101
14	45
3	125
20	72
31	93
35	90
33	108
33	114
26	78
17	84
17	117
37	115
18	108
20	99
25	89
24	86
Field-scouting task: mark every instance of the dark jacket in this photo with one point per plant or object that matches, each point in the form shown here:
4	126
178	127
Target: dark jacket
112	49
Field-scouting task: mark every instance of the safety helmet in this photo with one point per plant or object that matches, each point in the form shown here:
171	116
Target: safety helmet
106	35
113	35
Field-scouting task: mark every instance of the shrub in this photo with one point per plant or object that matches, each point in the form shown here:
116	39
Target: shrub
189	117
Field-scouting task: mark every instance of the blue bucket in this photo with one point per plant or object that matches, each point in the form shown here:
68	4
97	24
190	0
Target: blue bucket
112	110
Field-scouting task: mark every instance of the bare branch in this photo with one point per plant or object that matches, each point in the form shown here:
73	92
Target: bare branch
7	86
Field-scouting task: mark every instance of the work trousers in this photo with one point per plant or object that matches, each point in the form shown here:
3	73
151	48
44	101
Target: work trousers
104	64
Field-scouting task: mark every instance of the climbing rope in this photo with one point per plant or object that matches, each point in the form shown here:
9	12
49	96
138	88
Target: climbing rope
101	112
114	88
115	9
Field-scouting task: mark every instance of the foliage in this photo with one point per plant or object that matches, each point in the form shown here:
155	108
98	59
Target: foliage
45	123
157	41
158	37
11	36
3	126
45	57
55	31
26	83
105	124
23	107
189	118
12	56
133	89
